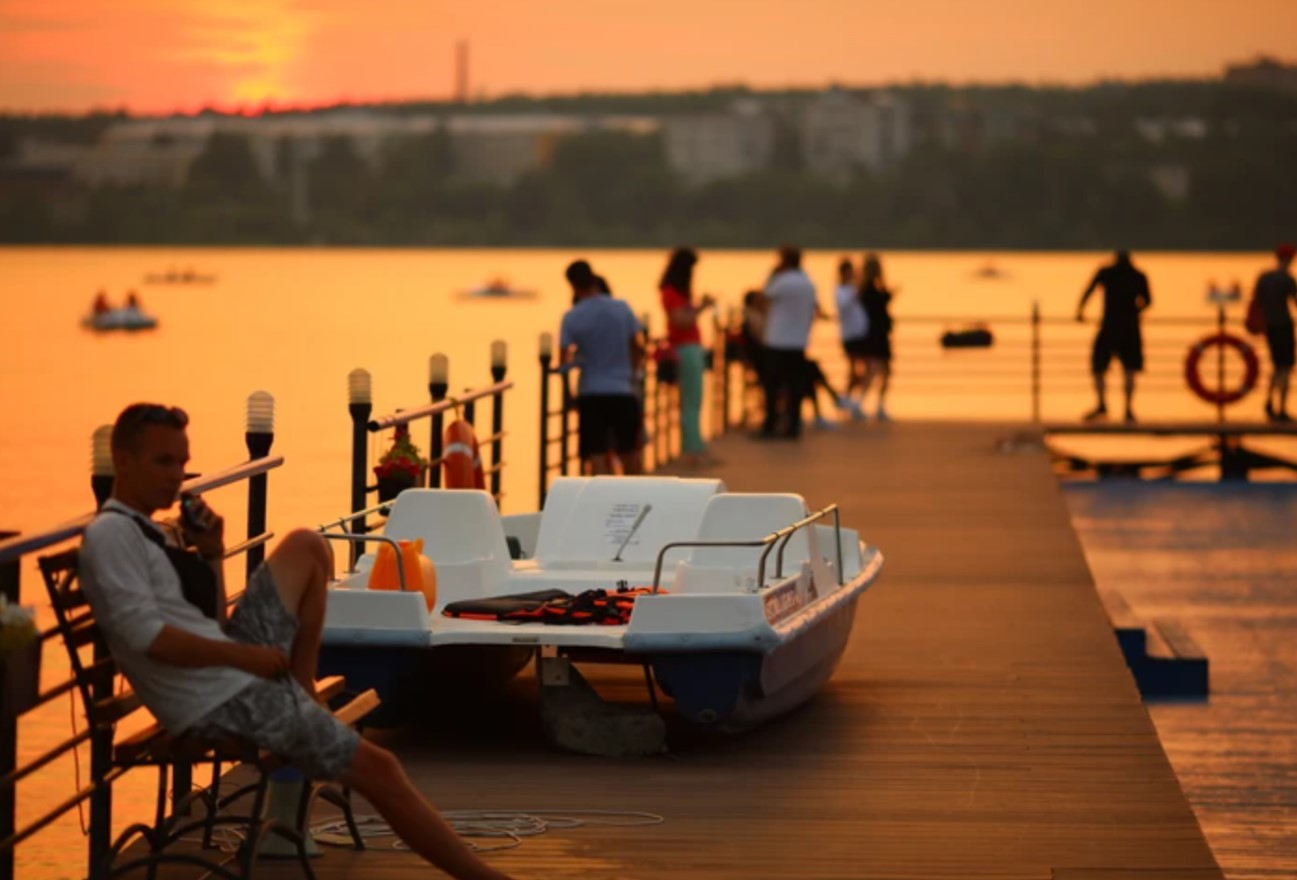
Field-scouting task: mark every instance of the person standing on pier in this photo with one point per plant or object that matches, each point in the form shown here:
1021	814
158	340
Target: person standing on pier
676	287
790	311
1126	295
252	675
602	335
876	298
1274	291
854	326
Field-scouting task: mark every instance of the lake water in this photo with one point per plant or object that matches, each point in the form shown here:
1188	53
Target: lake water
295	322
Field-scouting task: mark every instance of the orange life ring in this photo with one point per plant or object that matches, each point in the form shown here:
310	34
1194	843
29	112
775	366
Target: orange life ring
1251	368
460	462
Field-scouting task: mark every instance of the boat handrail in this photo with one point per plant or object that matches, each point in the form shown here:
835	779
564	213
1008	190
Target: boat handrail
382	507
361	539
451	402
16	547
767	542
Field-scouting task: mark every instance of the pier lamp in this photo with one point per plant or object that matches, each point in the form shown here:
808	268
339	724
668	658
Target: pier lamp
359	388
438	376
438	385
260	437
360	400
101	463
499	359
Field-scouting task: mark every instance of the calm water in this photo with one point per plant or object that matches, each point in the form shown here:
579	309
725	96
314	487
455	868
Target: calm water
295	322
1222	561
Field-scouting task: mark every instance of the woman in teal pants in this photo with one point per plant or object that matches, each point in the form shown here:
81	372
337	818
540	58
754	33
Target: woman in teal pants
682	333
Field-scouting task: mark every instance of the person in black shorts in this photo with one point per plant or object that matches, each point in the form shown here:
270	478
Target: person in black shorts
601	336
876	298
1126	295
1274	291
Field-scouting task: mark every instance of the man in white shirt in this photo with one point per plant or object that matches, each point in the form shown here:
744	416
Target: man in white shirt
252	675
789	315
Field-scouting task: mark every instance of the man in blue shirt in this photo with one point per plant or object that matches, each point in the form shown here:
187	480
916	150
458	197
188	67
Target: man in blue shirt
601	336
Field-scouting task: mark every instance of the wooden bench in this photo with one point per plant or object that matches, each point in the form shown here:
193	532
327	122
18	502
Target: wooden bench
107	703
1163	658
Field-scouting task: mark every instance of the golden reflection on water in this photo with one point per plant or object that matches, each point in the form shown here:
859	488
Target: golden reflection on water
295	322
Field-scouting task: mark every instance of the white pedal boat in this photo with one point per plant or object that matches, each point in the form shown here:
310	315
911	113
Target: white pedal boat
732	644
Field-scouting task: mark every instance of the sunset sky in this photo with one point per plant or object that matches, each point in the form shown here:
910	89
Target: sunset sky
164	55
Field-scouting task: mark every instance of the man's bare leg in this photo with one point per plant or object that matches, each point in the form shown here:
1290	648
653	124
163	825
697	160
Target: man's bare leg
381	780
300	567
1130	395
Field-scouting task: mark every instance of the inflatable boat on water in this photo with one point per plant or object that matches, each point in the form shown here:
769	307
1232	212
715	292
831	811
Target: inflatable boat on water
126	318
739	605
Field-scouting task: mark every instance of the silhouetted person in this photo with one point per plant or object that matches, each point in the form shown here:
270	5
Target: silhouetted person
132	301
876	298
602	335
1126	295
677	287
853	324
790	311
101	303
1274	291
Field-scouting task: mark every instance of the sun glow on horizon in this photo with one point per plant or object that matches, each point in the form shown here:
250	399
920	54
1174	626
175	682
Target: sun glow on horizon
163	56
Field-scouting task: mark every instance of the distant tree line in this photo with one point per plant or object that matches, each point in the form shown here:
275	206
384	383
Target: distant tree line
1044	185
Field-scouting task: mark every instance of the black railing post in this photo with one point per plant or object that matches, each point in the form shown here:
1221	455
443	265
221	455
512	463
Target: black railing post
259	438
1035	361
101	762
9	575
565	433
546	355
1220	363
360	396
438	384
499	367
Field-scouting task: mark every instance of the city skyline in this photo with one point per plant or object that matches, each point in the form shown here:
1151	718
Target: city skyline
162	56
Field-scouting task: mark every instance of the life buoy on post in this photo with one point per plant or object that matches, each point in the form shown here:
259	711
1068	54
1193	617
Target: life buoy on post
1251	368
461	464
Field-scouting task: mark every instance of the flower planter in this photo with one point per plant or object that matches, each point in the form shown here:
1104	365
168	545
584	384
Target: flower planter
390	487
20	672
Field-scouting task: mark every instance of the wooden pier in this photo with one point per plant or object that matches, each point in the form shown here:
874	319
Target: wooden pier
982	724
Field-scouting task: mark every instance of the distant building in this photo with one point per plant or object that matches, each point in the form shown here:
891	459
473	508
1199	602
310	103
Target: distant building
159	151
1264	73
714	146
1158	130
842	133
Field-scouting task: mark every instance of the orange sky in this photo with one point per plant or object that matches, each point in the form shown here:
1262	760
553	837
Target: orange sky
162	55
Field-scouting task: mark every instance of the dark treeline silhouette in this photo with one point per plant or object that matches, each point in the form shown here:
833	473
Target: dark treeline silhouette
1026	168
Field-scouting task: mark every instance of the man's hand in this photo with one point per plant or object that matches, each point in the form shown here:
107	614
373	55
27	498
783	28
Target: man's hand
210	538
706	302
262	661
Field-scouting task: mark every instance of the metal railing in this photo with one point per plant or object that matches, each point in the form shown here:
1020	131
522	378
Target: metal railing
659	394
14	551
465	405
1032	357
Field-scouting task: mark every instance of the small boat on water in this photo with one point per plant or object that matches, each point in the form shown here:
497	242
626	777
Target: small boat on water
171	276
990	272
740	604
125	318
497	288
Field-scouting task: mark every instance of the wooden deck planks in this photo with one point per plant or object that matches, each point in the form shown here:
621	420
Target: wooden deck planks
982	723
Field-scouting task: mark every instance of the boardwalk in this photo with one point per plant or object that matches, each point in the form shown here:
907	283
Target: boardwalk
982	724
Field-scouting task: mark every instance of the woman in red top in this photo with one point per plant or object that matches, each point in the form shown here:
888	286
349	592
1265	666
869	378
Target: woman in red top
682	333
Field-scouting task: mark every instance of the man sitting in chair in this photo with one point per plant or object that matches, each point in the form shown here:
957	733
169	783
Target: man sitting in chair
251	676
